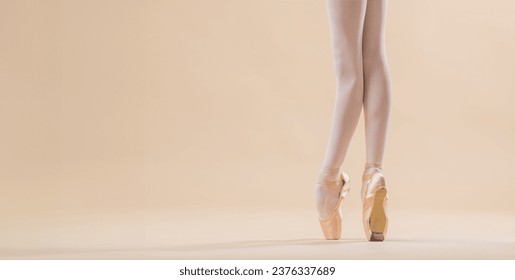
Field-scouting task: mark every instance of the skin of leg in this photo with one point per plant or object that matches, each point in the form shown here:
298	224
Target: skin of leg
346	22
377	83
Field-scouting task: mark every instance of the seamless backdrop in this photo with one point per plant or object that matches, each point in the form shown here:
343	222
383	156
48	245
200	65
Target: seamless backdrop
193	107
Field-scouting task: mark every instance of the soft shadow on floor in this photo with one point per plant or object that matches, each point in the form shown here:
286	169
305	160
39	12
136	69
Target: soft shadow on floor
13	252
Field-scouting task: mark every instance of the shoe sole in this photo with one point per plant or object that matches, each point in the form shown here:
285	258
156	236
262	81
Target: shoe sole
378	216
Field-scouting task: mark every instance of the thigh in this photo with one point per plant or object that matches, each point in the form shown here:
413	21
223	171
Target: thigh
374	31
346	22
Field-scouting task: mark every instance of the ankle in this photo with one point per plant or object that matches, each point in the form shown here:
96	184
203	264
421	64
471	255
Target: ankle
372	167
328	174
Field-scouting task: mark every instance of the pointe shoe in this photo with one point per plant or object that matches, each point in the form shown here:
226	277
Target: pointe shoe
374	197
332	224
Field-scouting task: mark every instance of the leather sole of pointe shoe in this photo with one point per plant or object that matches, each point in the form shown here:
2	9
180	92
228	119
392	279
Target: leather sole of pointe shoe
378	217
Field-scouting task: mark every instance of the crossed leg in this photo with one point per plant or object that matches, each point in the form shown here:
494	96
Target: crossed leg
357	29
377	91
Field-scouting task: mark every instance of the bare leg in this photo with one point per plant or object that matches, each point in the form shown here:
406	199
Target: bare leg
377	90
346	21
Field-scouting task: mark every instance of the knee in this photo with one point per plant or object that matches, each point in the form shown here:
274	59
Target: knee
374	60
348	64
349	75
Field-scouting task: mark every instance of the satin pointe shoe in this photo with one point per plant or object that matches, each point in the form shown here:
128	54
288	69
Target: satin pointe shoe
374	196
332	224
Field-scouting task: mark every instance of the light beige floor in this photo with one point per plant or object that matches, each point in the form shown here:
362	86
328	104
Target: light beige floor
292	234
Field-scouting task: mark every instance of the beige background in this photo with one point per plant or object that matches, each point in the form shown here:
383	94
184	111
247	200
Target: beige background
195	129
